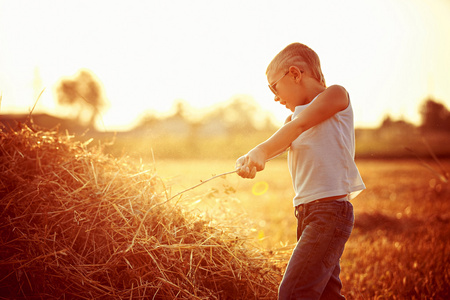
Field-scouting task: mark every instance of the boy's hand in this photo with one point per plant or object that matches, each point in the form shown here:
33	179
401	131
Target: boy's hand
252	162
243	169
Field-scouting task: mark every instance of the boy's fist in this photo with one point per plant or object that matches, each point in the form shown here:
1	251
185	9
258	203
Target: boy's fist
249	164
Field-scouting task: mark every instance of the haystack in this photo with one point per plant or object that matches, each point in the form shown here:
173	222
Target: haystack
79	224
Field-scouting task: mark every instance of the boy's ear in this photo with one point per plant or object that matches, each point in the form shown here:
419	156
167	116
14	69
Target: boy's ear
296	73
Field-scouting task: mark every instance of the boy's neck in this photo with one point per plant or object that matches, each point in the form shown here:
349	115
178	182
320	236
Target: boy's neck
313	91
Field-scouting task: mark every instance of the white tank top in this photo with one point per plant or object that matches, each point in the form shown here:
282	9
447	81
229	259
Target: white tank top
322	159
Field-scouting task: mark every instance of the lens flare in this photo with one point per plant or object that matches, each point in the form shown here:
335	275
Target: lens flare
260	188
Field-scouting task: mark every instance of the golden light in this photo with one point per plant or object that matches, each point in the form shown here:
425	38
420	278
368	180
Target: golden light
260	188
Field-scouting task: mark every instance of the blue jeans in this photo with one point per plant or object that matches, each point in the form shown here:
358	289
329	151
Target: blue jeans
313	270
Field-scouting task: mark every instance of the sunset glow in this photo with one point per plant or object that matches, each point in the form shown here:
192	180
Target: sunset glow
390	55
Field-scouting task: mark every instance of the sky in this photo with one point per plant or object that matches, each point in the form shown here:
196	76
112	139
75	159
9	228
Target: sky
389	54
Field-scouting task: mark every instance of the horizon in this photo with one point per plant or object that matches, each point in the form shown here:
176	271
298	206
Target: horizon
191	115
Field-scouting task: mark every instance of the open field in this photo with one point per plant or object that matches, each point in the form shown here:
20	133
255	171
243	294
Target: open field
77	222
398	249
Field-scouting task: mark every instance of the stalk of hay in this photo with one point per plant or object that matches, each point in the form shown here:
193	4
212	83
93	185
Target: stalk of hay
76	223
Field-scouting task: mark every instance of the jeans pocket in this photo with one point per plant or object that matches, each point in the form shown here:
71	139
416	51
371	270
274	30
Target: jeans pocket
336	247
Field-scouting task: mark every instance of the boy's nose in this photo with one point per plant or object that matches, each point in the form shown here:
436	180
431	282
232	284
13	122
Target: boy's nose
277	98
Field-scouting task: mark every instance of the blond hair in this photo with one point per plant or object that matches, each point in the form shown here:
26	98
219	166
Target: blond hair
301	56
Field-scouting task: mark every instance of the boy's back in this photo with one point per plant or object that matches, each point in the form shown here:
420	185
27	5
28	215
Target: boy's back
321	159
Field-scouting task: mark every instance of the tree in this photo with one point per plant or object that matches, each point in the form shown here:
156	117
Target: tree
84	92
239	114
435	116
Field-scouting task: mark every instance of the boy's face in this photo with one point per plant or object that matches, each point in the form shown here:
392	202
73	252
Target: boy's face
284	87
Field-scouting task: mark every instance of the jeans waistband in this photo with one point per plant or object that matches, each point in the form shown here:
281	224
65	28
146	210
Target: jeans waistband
299	208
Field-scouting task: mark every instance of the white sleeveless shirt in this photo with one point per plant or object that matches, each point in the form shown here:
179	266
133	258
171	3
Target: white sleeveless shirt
322	159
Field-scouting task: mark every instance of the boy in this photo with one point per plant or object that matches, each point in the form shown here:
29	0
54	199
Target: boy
320	138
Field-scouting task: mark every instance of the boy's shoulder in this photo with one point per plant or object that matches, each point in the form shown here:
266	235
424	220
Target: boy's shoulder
337	96
337	89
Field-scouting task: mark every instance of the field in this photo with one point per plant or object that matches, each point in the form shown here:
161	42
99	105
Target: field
398	249
78	222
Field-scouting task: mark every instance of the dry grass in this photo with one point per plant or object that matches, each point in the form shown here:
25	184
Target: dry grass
399	248
76	223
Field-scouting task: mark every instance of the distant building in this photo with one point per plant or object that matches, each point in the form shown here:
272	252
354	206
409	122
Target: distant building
178	126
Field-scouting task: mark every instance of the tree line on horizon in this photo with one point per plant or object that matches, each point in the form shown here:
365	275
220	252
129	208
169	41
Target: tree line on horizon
84	95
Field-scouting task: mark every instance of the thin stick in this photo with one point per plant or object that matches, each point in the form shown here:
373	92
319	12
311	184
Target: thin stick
443	172
214	177
40	94
202	182
164	202
442	177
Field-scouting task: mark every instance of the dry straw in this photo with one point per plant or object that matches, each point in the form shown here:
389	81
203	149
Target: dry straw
78	224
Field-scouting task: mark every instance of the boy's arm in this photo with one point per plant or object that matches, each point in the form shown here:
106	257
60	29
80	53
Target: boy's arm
327	104
241	160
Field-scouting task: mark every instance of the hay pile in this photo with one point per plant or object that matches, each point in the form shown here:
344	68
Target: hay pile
76	223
